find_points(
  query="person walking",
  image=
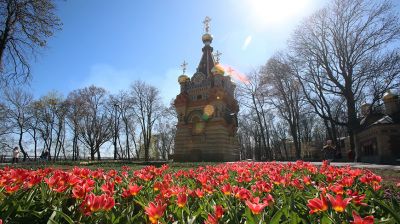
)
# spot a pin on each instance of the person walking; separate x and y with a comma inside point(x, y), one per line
point(15, 155)
point(45, 155)
point(329, 151)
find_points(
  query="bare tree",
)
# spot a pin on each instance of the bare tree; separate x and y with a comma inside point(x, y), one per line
point(50, 114)
point(25, 26)
point(327, 106)
point(285, 94)
point(352, 41)
point(115, 111)
point(249, 135)
point(147, 109)
point(252, 95)
point(33, 129)
point(17, 103)
point(125, 106)
point(95, 124)
point(165, 132)
point(279, 138)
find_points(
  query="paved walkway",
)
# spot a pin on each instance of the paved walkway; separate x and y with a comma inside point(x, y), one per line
point(362, 165)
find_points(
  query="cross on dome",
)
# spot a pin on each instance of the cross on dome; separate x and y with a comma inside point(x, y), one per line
point(206, 23)
point(217, 56)
point(183, 66)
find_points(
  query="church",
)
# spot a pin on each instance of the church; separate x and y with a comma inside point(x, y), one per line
point(207, 111)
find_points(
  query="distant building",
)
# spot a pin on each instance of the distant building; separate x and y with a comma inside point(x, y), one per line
point(207, 111)
point(378, 139)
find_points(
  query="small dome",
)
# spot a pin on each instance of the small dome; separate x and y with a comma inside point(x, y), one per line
point(389, 95)
point(218, 70)
point(183, 78)
point(207, 38)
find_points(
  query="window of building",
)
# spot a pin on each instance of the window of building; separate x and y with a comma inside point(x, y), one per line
point(199, 97)
point(369, 148)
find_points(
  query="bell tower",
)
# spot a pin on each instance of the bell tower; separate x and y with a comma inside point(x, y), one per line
point(207, 110)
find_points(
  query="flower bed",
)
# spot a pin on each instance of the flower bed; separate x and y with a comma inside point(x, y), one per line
point(226, 193)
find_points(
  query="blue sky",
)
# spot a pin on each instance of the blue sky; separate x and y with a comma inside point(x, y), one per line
point(113, 43)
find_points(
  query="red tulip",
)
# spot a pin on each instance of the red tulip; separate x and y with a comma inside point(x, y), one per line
point(94, 203)
point(359, 220)
point(199, 193)
point(131, 191)
point(337, 189)
point(181, 200)
point(108, 188)
point(255, 206)
point(155, 211)
point(157, 186)
point(242, 194)
point(80, 190)
point(317, 205)
point(226, 189)
point(211, 219)
point(307, 180)
point(11, 189)
point(219, 211)
point(338, 203)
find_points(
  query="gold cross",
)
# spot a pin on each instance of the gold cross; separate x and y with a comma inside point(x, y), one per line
point(183, 66)
point(206, 23)
point(217, 55)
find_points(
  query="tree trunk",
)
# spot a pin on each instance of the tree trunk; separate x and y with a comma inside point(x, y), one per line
point(127, 141)
point(260, 124)
point(35, 143)
point(21, 133)
point(4, 37)
point(92, 152)
point(353, 123)
point(98, 154)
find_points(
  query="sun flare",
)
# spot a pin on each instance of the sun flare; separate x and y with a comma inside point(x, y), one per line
point(265, 12)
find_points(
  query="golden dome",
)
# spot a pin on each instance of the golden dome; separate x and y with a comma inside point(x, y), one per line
point(389, 95)
point(218, 70)
point(183, 78)
point(207, 37)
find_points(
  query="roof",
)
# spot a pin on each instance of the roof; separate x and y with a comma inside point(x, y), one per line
point(207, 61)
point(384, 120)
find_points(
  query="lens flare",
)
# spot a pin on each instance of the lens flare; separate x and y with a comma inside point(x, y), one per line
point(209, 110)
point(235, 74)
point(199, 127)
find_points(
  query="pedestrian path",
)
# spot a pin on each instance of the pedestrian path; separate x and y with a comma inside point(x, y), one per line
point(362, 165)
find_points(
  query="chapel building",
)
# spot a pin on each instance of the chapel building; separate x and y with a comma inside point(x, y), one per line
point(207, 111)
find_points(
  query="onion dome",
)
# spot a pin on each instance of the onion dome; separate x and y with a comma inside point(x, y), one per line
point(389, 96)
point(207, 38)
point(218, 70)
point(183, 78)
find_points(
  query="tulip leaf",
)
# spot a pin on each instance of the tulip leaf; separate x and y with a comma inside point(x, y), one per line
point(249, 216)
point(277, 217)
point(325, 219)
point(389, 210)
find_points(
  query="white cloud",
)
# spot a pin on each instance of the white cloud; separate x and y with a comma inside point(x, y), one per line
point(247, 42)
